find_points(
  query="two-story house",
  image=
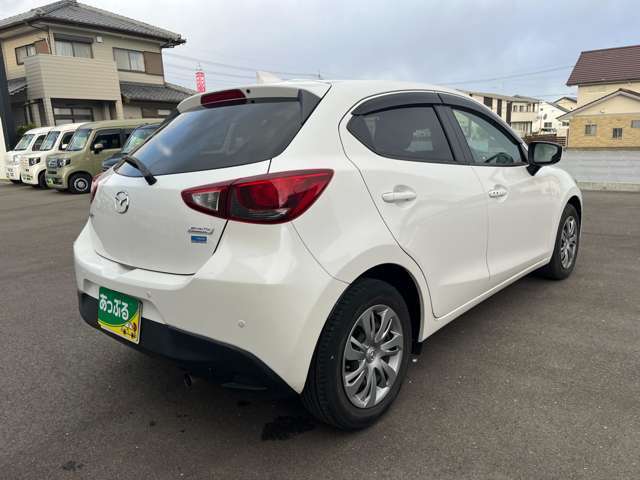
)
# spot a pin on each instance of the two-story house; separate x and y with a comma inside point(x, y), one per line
point(70, 62)
point(521, 113)
point(607, 113)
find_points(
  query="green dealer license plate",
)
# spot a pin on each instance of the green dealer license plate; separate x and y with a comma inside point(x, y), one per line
point(120, 314)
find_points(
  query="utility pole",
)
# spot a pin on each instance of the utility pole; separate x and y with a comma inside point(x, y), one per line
point(8, 126)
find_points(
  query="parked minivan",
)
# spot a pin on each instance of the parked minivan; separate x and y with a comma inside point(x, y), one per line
point(94, 142)
point(30, 142)
point(33, 167)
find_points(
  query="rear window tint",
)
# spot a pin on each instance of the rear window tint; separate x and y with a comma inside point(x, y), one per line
point(406, 133)
point(224, 136)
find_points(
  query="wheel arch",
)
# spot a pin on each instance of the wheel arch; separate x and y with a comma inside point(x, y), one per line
point(577, 204)
point(407, 285)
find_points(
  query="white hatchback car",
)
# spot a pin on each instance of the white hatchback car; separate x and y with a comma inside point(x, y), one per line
point(311, 234)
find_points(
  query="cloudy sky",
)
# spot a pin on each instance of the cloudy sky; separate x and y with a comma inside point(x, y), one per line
point(505, 46)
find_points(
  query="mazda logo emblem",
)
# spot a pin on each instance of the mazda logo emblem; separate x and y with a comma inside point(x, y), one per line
point(122, 202)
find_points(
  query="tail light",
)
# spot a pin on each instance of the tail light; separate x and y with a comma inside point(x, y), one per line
point(94, 186)
point(272, 198)
point(97, 180)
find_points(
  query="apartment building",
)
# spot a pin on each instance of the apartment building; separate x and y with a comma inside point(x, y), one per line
point(607, 111)
point(521, 113)
point(69, 62)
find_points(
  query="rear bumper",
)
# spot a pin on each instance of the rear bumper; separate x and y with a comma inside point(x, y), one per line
point(268, 299)
point(217, 361)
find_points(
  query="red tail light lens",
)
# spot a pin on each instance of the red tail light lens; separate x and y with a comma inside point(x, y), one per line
point(272, 198)
point(95, 181)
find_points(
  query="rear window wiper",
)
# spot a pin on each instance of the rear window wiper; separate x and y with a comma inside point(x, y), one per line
point(134, 162)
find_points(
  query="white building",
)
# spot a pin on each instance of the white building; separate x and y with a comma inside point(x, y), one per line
point(548, 122)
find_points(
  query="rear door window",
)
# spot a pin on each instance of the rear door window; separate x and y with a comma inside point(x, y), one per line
point(405, 133)
point(223, 136)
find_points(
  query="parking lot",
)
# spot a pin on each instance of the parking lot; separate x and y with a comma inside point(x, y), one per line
point(541, 381)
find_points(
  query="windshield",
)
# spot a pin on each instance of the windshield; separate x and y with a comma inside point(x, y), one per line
point(79, 139)
point(220, 137)
point(24, 142)
point(137, 138)
point(50, 140)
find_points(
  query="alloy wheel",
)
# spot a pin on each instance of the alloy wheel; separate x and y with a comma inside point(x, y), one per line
point(568, 242)
point(372, 356)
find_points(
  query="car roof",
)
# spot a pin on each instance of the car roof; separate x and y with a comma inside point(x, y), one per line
point(68, 127)
point(36, 131)
point(347, 91)
point(135, 122)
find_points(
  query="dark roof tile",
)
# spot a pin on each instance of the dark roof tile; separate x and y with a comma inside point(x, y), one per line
point(609, 65)
point(72, 12)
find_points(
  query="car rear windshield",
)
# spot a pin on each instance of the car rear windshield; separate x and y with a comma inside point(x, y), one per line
point(50, 140)
point(24, 142)
point(224, 136)
point(79, 139)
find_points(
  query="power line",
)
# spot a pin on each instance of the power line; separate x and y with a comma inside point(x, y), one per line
point(238, 67)
point(507, 77)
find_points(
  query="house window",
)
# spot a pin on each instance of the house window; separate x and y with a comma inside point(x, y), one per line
point(590, 129)
point(635, 123)
point(565, 124)
point(528, 107)
point(515, 108)
point(70, 48)
point(522, 108)
point(488, 101)
point(24, 52)
point(63, 115)
point(129, 60)
point(617, 133)
point(547, 124)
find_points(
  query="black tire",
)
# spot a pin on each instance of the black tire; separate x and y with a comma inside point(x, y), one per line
point(16, 182)
point(554, 269)
point(324, 394)
point(42, 181)
point(80, 183)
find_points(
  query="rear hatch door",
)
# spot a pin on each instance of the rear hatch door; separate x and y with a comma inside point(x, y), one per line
point(150, 226)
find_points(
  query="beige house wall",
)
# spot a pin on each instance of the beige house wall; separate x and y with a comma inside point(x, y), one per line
point(618, 104)
point(101, 50)
point(104, 50)
point(589, 93)
point(9, 52)
point(69, 77)
point(604, 135)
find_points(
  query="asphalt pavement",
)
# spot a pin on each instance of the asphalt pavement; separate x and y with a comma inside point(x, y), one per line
point(541, 381)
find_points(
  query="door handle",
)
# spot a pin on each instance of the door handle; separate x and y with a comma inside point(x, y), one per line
point(401, 196)
point(498, 192)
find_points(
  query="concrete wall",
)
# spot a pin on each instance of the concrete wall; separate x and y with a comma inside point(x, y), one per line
point(604, 169)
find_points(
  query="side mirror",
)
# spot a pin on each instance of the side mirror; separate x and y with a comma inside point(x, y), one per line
point(541, 154)
point(98, 147)
point(63, 146)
